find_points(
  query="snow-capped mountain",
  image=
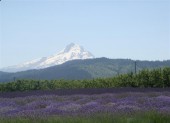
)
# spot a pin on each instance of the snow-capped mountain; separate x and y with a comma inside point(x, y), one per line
point(71, 52)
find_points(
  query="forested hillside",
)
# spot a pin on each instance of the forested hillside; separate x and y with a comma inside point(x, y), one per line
point(144, 78)
point(85, 69)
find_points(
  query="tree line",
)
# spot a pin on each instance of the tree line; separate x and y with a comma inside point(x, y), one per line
point(144, 78)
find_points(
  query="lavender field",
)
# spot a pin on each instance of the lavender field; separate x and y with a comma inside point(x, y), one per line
point(84, 105)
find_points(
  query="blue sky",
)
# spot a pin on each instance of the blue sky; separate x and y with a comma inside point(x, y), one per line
point(135, 29)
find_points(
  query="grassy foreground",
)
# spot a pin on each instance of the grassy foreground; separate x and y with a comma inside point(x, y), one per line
point(149, 117)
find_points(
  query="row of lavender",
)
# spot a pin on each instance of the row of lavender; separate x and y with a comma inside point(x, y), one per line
point(84, 91)
point(49, 105)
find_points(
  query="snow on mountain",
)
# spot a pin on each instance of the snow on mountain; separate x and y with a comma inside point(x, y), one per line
point(71, 52)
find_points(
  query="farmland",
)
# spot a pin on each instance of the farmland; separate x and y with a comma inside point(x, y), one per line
point(128, 98)
point(100, 105)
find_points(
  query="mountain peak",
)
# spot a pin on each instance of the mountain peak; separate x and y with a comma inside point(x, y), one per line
point(73, 46)
point(70, 52)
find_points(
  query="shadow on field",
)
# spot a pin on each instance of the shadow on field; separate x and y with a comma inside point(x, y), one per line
point(86, 91)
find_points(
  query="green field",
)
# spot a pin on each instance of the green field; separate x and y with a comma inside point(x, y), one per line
point(150, 117)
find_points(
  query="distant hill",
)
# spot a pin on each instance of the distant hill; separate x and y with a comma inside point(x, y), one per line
point(84, 69)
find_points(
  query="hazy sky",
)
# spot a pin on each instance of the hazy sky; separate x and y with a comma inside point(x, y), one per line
point(135, 29)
